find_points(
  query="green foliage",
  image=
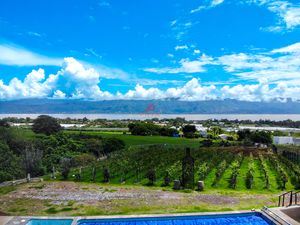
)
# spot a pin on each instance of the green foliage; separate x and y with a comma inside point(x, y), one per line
point(250, 137)
point(265, 171)
point(4, 123)
point(106, 175)
point(65, 167)
point(203, 171)
point(220, 170)
point(206, 143)
point(189, 131)
point(151, 176)
point(112, 144)
point(250, 176)
point(10, 166)
point(150, 129)
point(215, 131)
point(46, 125)
point(235, 166)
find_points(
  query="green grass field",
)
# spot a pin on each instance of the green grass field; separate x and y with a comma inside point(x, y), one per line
point(144, 140)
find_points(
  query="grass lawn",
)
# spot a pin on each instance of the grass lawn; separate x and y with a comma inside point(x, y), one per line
point(87, 199)
point(144, 140)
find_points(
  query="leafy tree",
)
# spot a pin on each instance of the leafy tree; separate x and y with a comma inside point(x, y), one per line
point(10, 166)
point(4, 123)
point(32, 159)
point(189, 131)
point(263, 137)
point(167, 179)
point(243, 134)
point(151, 175)
point(206, 143)
point(216, 131)
point(106, 175)
point(112, 144)
point(94, 146)
point(46, 125)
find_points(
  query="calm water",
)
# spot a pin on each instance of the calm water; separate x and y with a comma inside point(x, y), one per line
point(276, 117)
point(245, 219)
point(50, 222)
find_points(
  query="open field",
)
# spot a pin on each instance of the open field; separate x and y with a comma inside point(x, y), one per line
point(143, 140)
point(72, 198)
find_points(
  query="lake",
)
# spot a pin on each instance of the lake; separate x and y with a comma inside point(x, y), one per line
point(253, 117)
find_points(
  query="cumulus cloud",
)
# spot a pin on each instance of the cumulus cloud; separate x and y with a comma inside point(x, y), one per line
point(274, 74)
point(34, 86)
point(73, 78)
point(14, 55)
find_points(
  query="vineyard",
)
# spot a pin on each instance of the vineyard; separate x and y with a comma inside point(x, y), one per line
point(231, 168)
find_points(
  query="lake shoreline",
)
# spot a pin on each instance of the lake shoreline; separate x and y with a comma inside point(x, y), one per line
point(142, 116)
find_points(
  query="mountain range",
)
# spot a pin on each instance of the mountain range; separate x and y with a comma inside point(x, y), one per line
point(167, 106)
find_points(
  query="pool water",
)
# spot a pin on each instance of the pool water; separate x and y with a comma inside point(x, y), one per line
point(232, 219)
point(50, 222)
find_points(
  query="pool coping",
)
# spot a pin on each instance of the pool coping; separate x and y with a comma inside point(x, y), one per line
point(284, 216)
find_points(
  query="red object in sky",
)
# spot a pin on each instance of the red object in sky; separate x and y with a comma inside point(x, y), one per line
point(150, 108)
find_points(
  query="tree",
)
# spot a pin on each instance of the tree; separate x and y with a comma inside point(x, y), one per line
point(65, 167)
point(112, 144)
point(46, 125)
point(4, 123)
point(262, 137)
point(106, 175)
point(215, 131)
point(32, 160)
point(10, 166)
point(189, 131)
point(94, 146)
point(206, 143)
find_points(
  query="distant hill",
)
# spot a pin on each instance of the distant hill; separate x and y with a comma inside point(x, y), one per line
point(172, 106)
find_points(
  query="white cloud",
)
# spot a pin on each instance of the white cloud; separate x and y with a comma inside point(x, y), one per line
point(275, 75)
point(33, 86)
point(288, 14)
point(185, 66)
point(276, 65)
point(294, 48)
point(216, 2)
point(59, 95)
point(13, 55)
point(181, 47)
point(211, 4)
point(75, 81)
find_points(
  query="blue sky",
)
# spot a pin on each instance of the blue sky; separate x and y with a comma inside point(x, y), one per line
point(140, 49)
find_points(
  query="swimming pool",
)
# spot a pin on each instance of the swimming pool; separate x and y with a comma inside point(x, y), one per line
point(50, 222)
point(232, 219)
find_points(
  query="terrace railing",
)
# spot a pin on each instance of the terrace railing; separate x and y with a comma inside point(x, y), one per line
point(296, 197)
point(289, 198)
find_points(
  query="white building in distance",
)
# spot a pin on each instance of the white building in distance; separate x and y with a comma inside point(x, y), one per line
point(286, 140)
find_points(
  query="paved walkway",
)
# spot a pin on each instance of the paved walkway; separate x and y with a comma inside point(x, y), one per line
point(5, 219)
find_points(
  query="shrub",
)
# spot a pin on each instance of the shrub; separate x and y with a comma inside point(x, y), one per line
point(106, 175)
point(65, 166)
point(151, 175)
point(46, 125)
